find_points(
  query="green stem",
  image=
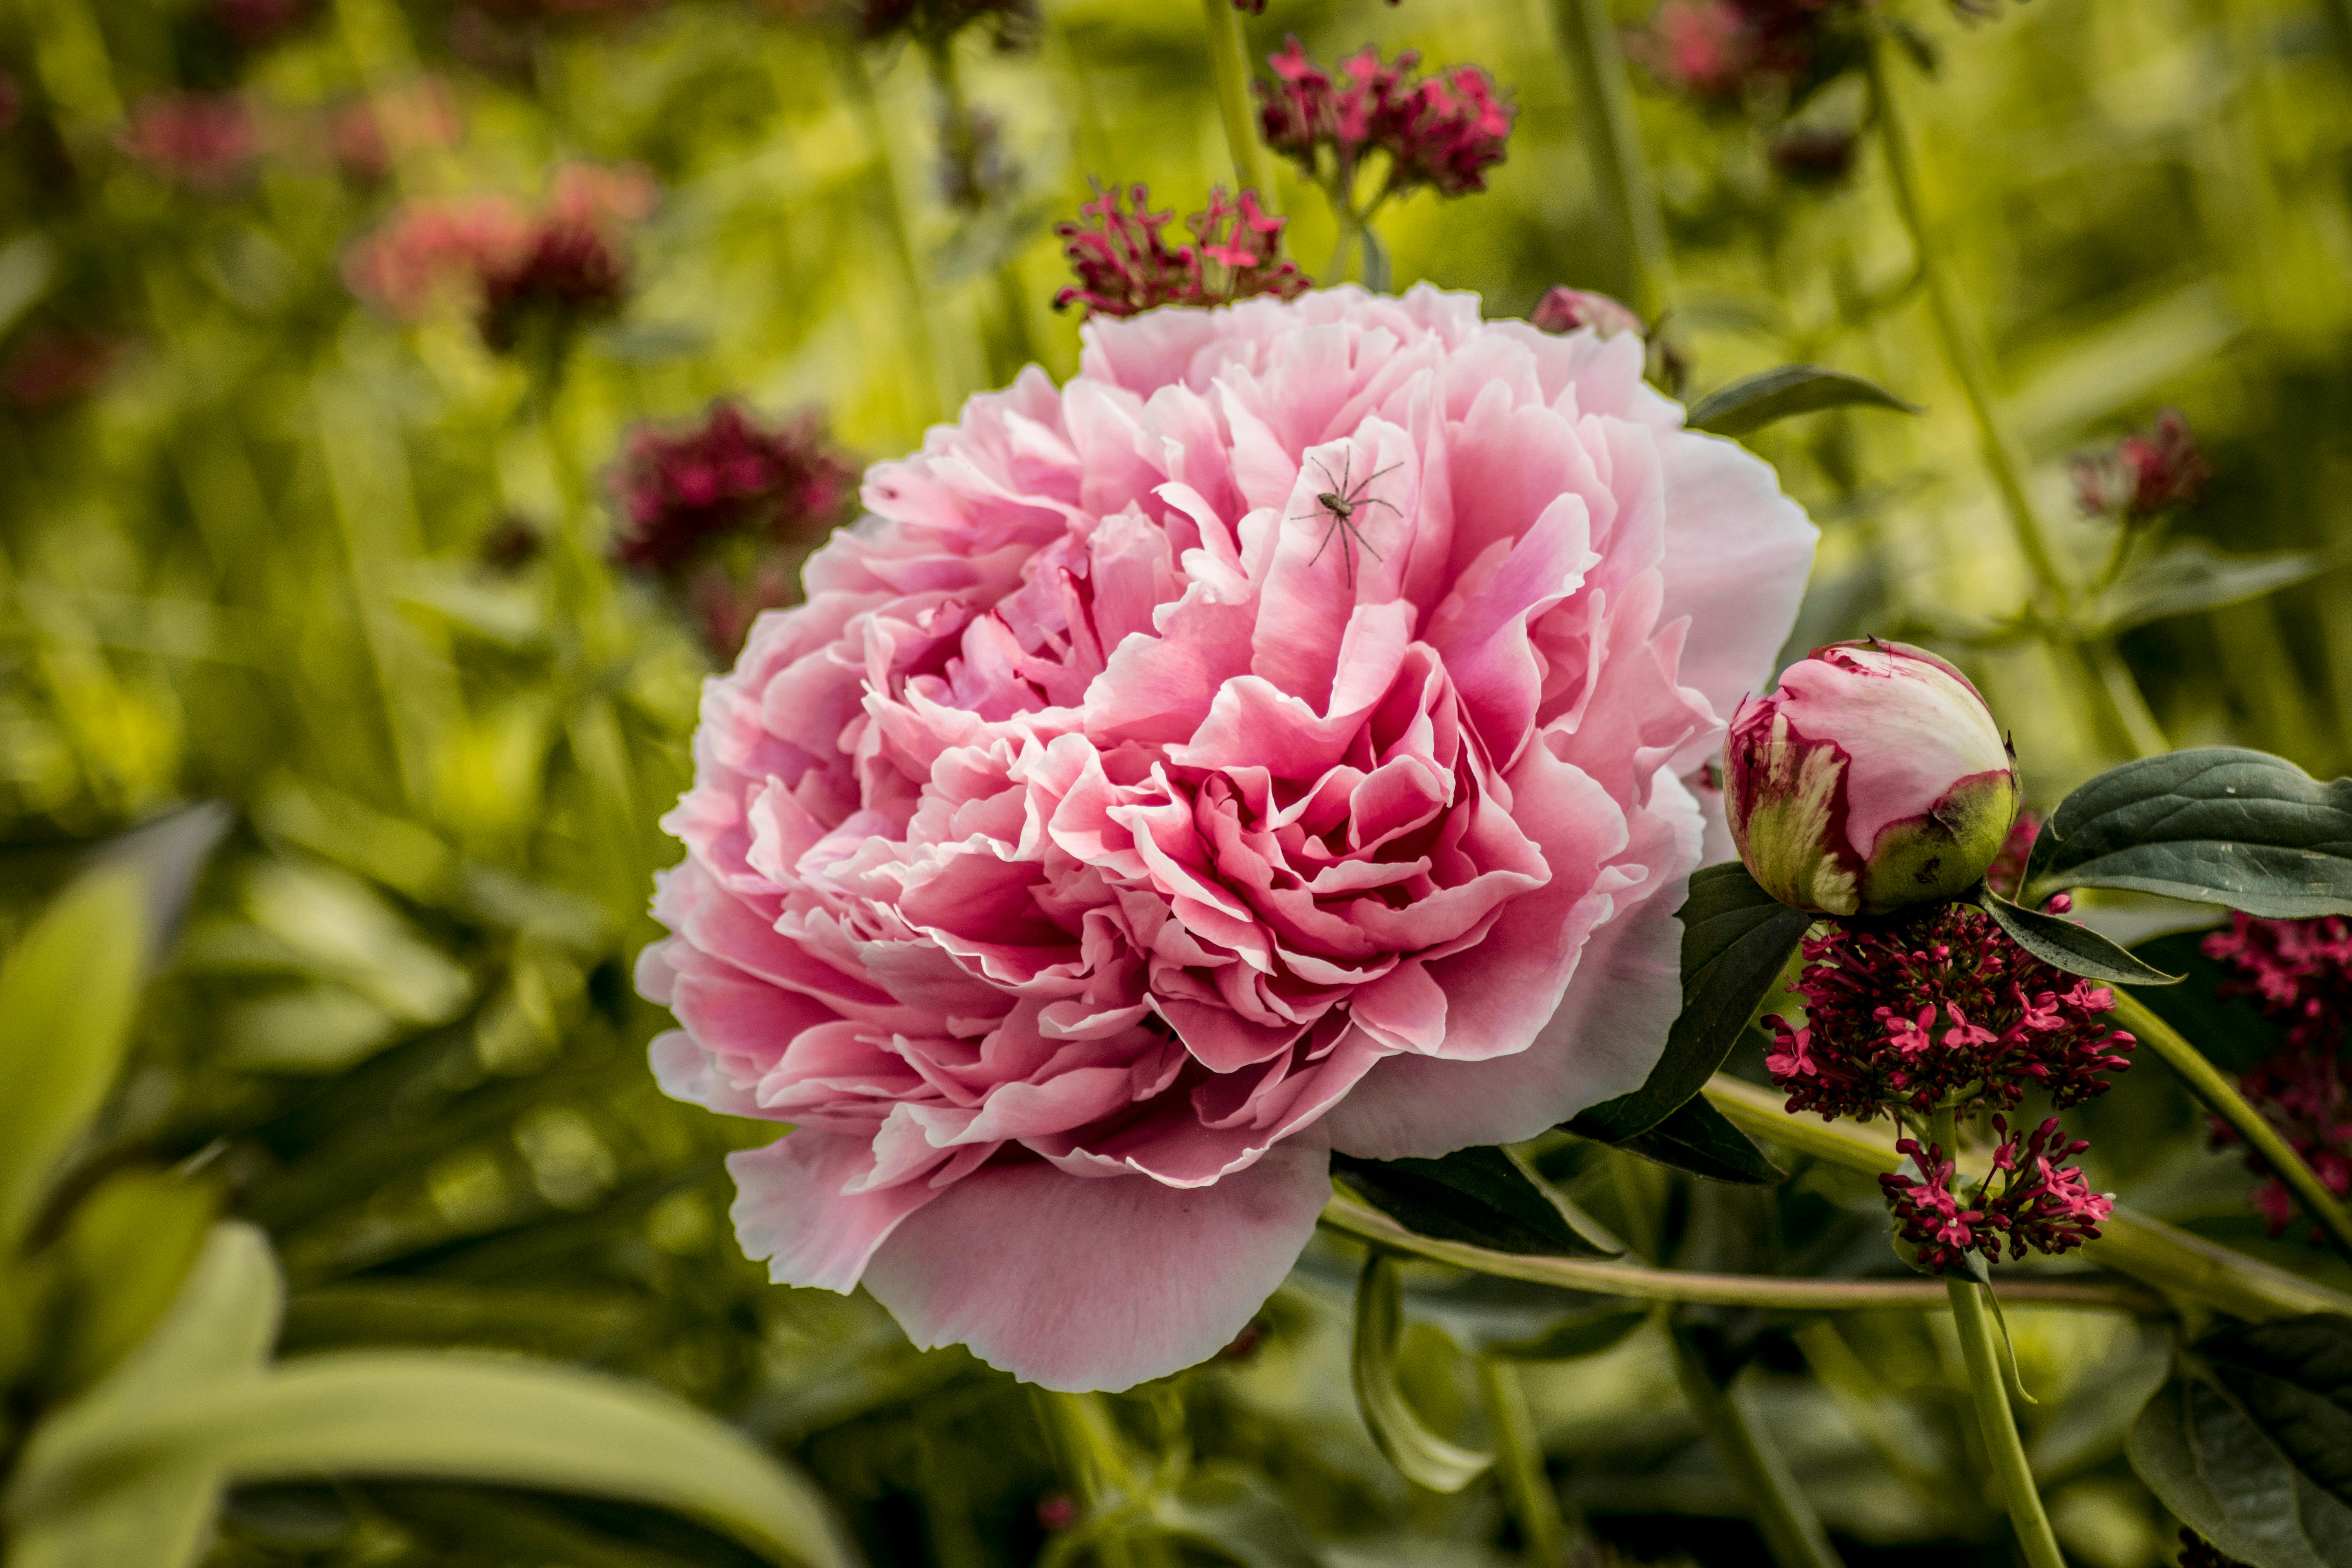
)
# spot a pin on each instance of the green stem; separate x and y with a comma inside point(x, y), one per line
point(1784, 1516)
point(2164, 1256)
point(2127, 710)
point(1229, 65)
point(1519, 1464)
point(1635, 1283)
point(2002, 1443)
point(2221, 1098)
point(1612, 144)
point(1094, 1461)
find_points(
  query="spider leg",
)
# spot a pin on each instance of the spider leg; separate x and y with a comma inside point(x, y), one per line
point(1336, 523)
point(1375, 501)
point(1365, 543)
point(1391, 469)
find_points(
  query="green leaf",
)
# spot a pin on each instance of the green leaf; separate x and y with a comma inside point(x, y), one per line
point(126, 1252)
point(1236, 1515)
point(1483, 1196)
point(67, 994)
point(2251, 1442)
point(1573, 1339)
point(1421, 1456)
point(2213, 825)
point(1735, 939)
point(1755, 401)
point(2192, 575)
point(1701, 1139)
point(2069, 944)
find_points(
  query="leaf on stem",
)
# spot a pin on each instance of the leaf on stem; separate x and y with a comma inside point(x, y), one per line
point(2068, 946)
point(1735, 939)
point(2213, 825)
point(1483, 1196)
point(1700, 1140)
point(1421, 1456)
point(1755, 401)
point(2249, 1443)
point(2192, 575)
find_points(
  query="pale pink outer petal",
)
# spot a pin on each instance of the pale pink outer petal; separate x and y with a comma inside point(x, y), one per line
point(1079, 1283)
point(793, 1209)
point(1602, 1040)
point(1911, 729)
point(1738, 554)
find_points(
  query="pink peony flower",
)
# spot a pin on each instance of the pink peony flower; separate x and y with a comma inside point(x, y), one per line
point(1112, 835)
point(1874, 779)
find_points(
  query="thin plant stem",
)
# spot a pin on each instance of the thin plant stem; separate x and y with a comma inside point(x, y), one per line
point(1612, 144)
point(1989, 1388)
point(2118, 696)
point(1519, 1463)
point(960, 141)
point(2171, 1260)
point(1634, 1282)
point(926, 334)
point(1784, 1516)
point(1229, 65)
point(1094, 1462)
point(2222, 1099)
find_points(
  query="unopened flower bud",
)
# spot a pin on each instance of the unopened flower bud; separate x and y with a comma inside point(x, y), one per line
point(1564, 310)
point(1872, 779)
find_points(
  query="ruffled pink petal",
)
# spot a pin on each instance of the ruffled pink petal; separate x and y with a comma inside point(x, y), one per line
point(1077, 1282)
point(799, 1204)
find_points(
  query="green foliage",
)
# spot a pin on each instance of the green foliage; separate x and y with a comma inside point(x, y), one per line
point(1484, 1196)
point(1752, 402)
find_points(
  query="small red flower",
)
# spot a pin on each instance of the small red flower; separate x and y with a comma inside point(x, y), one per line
point(1125, 264)
point(2144, 475)
point(2300, 973)
point(680, 491)
point(1442, 131)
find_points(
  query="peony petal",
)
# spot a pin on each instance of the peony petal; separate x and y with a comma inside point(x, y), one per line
point(1075, 1282)
point(794, 1207)
point(1738, 554)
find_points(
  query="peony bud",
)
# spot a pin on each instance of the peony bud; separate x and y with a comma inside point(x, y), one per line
point(1874, 779)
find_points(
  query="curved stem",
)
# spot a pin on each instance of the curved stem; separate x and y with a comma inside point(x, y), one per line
point(2002, 1443)
point(2221, 1098)
point(1229, 66)
point(1612, 144)
point(1784, 1516)
point(1094, 1461)
point(2164, 1256)
point(1642, 1284)
point(1519, 1464)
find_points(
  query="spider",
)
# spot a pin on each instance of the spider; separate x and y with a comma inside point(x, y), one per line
point(1341, 504)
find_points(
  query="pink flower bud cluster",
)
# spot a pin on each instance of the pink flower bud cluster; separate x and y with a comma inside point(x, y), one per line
point(561, 265)
point(204, 142)
point(2144, 475)
point(1443, 132)
point(2028, 1200)
point(1943, 1010)
point(680, 491)
point(2300, 972)
point(1125, 265)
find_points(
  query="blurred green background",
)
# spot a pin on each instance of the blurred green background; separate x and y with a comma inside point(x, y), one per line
point(262, 542)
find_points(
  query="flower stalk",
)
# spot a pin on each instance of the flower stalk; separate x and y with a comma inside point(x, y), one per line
point(1784, 1516)
point(2125, 709)
point(1989, 1388)
point(1229, 67)
point(1612, 144)
point(2221, 1098)
point(1519, 1463)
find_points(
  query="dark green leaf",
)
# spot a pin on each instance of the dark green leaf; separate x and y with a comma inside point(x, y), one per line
point(1483, 1196)
point(1755, 401)
point(2214, 825)
point(1701, 1139)
point(2069, 944)
point(1735, 938)
point(2192, 575)
point(1421, 1456)
point(2248, 1442)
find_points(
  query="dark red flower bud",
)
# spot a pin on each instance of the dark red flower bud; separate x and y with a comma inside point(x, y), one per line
point(1443, 132)
point(2144, 475)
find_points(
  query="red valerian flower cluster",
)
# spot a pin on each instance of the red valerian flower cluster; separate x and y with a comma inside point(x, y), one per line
point(680, 490)
point(2301, 973)
point(722, 512)
point(1125, 265)
point(1942, 1010)
point(1443, 132)
point(1722, 50)
point(1946, 1013)
point(2038, 1204)
point(204, 142)
point(553, 268)
point(2144, 475)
